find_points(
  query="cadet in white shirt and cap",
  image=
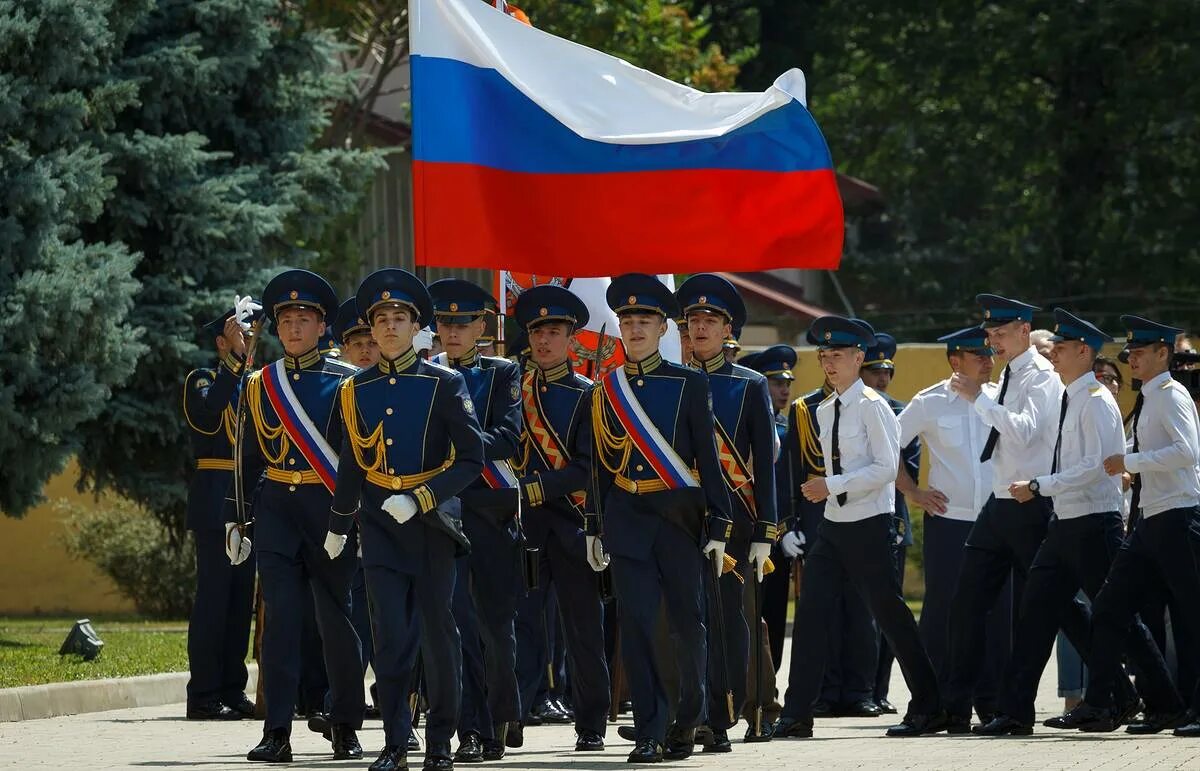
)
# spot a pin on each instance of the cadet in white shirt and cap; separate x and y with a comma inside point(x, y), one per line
point(1084, 533)
point(861, 438)
point(1163, 548)
point(954, 435)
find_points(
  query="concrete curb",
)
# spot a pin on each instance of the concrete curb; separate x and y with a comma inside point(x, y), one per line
point(35, 702)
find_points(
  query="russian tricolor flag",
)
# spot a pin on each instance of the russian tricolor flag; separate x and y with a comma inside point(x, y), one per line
point(537, 155)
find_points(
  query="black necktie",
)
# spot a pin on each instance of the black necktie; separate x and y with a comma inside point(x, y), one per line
point(993, 435)
point(836, 461)
point(1062, 415)
point(1136, 486)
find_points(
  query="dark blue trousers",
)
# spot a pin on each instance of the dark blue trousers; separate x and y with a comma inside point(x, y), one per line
point(573, 582)
point(671, 574)
point(219, 628)
point(775, 590)
point(728, 663)
point(474, 716)
point(852, 647)
point(945, 542)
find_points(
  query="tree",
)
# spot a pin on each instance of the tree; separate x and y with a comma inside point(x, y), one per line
point(216, 181)
point(65, 342)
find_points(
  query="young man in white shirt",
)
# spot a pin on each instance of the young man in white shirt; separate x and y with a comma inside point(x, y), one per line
point(861, 438)
point(1083, 535)
point(953, 435)
point(1163, 546)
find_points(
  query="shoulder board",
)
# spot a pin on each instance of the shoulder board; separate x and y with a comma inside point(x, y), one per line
point(584, 381)
point(1042, 363)
point(746, 372)
point(1167, 383)
point(929, 389)
point(871, 394)
point(439, 367)
point(338, 364)
point(1096, 390)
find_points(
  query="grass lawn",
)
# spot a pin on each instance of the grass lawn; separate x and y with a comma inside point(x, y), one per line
point(29, 649)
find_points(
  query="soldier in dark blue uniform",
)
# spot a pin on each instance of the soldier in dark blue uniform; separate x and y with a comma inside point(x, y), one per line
point(219, 628)
point(411, 443)
point(745, 436)
point(489, 511)
point(659, 492)
point(776, 364)
point(877, 372)
point(555, 466)
point(291, 433)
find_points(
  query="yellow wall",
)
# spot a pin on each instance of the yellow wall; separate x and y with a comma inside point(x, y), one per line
point(36, 574)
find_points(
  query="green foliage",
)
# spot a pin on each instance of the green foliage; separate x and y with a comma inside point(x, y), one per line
point(216, 179)
point(65, 342)
point(135, 550)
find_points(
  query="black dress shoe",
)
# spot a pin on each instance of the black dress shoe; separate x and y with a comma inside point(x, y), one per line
point(646, 751)
point(243, 707)
point(275, 747)
point(413, 744)
point(1190, 729)
point(822, 709)
point(392, 758)
point(318, 723)
point(516, 736)
point(549, 712)
point(564, 708)
point(1091, 719)
point(764, 735)
point(787, 728)
point(718, 741)
point(918, 725)
point(1058, 721)
point(680, 743)
point(470, 749)
point(345, 742)
point(212, 710)
point(1154, 722)
point(532, 720)
point(493, 749)
point(589, 741)
point(1003, 725)
point(437, 758)
point(1128, 712)
point(958, 724)
point(862, 708)
point(886, 707)
point(627, 732)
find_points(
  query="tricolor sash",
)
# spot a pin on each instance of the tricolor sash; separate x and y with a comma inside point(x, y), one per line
point(734, 469)
point(544, 439)
point(661, 456)
point(498, 475)
point(298, 425)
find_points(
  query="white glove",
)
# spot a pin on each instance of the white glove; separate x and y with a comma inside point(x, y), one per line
point(715, 551)
point(244, 308)
point(793, 544)
point(596, 556)
point(423, 340)
point(402, 507)
point(334, 544)
point(759, 552)
point(237, 548)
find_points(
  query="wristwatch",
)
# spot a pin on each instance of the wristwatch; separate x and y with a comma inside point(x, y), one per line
point(1034, 487)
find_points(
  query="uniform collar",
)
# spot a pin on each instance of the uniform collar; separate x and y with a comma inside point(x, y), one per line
point(951, 394)
point(556, 373)
point(852, 393)
point(1156, 382)
point(303, 361)
point(645, 366)
point(1023, 360)
point(715, 363)
point(469, 359)
point(402, 363)
point(1087, 381)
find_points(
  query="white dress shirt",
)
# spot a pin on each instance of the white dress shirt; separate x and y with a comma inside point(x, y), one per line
point(869, 444)
point(954, 435)
point(1092, 430)
point(1027, 421)
point(1168, 447)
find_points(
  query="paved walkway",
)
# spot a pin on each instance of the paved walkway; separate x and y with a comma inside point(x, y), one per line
point(158, 737)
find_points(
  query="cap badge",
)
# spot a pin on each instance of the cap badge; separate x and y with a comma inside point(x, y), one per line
point(987, 314)
point(828, 335)
point(453, 307)
point(294, 294)
point(632, 299)
point(703, 299)
point(543, 311)
point(386, 295)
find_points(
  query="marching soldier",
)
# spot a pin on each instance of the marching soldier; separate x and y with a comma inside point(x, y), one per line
point(860, 438)
point(877, 373)
point(555, 466)
point(656, 475)
point(489, 513)
point(410, 443)
point(959, 484)
point(1084, 532)
point(219, 627)
point(1163, 546)
point(745, 437)
point(293, 430)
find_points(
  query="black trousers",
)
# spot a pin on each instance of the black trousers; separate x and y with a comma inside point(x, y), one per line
point(944, 550)
point(1076, 555)
point(775, 590)
point(852, 650)
point(219, 628)
point(862, 552)
point(728, 663)
point(883, 672)
point(1159, 557)
point(1004, 540)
